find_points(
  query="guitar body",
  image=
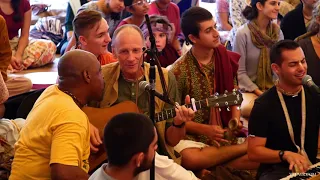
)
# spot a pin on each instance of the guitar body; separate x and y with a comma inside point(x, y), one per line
point(99, 117)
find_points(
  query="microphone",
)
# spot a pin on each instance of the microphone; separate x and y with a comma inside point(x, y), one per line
point(307, 80)
point(145, 86)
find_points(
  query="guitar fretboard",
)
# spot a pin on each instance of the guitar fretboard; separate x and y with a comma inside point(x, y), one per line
point(170, 113)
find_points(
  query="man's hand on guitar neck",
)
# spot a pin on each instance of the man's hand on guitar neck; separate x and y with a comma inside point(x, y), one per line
point(95, 139)
point(183, 114)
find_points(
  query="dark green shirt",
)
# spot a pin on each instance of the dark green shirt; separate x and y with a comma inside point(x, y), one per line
point(128, 91)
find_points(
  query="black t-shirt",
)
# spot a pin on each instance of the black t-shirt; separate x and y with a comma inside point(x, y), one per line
point(267, 120)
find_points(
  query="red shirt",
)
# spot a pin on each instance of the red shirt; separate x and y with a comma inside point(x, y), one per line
point(172, 13)
point(12, 26)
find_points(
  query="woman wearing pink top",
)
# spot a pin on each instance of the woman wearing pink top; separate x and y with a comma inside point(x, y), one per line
point(17, 14)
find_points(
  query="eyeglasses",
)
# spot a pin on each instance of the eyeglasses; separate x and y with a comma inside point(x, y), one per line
point(141, 2)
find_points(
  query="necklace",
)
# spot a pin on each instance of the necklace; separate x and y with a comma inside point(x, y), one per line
point(300, 149)
point(306, 18)
point(285, 92)
point(75, 99)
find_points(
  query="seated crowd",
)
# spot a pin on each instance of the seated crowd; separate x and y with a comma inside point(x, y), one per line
point(93, 123)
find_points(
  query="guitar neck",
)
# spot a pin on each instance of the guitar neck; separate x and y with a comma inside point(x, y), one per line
point(170, 113)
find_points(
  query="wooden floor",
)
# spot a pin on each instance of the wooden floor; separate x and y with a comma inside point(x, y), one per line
point(43, 76)
point(52, 67)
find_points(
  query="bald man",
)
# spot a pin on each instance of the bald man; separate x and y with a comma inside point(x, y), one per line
point(122, 79)
point(54, 143)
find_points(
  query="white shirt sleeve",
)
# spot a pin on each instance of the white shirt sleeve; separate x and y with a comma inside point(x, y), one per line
point(167, 169)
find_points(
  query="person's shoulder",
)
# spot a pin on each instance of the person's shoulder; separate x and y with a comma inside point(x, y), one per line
point(244, 29)
point(175, 6)
point(152, 7)
point(25, 2)
point(59, 102)
point(304, 43)
point(98, 174)
point(294, 13)
point(179, 62)
point(2, 21)
point(108, 66)
point(267, 96)
point(25, 5)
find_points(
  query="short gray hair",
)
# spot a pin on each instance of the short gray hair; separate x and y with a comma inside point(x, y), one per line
point(126, 27)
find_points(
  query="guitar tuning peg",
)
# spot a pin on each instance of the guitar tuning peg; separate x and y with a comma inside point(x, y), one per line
point(216, 94)
point(234, 90)
point(226, 91)
point(235, 102)
point(228, 108)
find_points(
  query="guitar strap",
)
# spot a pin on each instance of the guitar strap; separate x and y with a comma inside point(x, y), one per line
point(303, 122)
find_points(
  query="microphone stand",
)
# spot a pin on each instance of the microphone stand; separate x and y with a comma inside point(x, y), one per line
point(152, 52)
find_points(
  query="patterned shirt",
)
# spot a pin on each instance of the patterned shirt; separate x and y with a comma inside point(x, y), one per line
point(196, 80)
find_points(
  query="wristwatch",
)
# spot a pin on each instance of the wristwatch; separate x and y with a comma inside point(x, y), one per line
point(180, 125)
point(281, 153)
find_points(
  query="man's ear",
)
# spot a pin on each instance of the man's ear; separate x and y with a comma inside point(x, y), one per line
point(192, 38)
point(138, 159)
point(275, 68)
point(86, 76)
point(83, 40)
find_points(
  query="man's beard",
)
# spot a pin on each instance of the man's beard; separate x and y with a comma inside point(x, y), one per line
point(146, 165)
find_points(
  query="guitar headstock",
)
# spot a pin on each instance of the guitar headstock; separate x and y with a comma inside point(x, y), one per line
point(226, 99)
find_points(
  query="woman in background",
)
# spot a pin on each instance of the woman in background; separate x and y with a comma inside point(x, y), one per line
point(223, 15)
point(138, 10)
point(253, 41)
point(25, 53)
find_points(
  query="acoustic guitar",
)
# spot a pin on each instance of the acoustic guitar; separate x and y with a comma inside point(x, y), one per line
point(99, 117)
